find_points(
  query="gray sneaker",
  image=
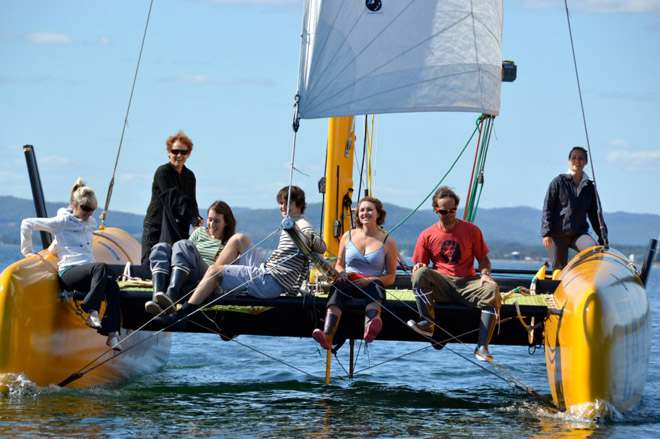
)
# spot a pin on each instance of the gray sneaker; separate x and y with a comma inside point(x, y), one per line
point(152, 308)
point(93, 320)
point(481, 353)
point(113, 341)
point(164, 302)
point(423, 328)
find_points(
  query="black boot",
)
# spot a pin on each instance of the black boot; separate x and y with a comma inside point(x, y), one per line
point(159, 281)
point(178, 320)
point(486, 329)
point(324, 338)
point(426, 309)
point(168, 299)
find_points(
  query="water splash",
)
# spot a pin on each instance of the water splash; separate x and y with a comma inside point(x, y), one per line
point(17, 384)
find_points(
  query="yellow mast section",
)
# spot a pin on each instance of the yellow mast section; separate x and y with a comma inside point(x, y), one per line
point(339, 181)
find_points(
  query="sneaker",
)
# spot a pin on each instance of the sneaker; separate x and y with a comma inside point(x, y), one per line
point(164, 302)
point(93, 320)
point(423, 328)
point(322, 340)
point(152, 308)
point(373, 329)
point(113, 341)
point(481, 353)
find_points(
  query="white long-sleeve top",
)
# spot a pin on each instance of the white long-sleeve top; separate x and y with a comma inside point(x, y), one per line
point(74, 237)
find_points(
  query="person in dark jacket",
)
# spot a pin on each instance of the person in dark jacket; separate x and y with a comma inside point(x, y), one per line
point(571, 197)
point(173, 174)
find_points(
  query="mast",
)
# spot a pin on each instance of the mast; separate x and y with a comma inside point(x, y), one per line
point(339, 181)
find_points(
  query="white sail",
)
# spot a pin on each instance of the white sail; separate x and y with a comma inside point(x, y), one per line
point(402, 56)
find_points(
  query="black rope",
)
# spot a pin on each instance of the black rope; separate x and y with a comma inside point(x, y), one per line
point(364, 153)
point(128, 109)
point(601, 221)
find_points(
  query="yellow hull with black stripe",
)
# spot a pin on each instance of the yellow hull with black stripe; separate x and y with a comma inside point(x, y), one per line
point(598, 344)
point(44, 338)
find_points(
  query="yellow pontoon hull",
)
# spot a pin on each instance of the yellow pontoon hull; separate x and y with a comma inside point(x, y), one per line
point(597, 350)
point(45, 339)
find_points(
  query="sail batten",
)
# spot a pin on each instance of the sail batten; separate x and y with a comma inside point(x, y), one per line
point(424, 55)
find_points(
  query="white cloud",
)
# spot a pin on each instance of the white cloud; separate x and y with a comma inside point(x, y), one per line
point(48, 38)
point(619, 143)
point(204, 79)
point(646, 96)
point(55, 160)
point(134, 178)
point(105, 41)
point(648, 161)
point(597, 6)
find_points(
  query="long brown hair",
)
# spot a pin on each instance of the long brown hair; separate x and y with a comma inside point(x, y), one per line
point(222, 208)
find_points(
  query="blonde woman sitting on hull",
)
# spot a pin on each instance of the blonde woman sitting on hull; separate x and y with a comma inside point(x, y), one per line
point(73, 230)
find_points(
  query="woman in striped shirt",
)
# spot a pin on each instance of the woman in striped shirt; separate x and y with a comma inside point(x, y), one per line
point(181, 266)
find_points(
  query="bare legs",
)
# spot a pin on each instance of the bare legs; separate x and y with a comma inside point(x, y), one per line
point(235, 247)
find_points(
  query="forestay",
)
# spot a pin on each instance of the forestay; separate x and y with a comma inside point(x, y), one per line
point(391, 56)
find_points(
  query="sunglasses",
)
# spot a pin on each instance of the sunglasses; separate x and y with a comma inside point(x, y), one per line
point(86, 208)
point(446, 211)
point(179, 151)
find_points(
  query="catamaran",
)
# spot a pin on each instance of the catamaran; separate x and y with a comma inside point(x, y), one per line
point(362, 58)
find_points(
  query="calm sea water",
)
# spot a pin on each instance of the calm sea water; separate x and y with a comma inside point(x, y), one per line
point(213, 388)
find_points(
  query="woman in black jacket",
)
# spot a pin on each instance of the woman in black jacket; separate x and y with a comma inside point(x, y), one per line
point(173, 174)
point(571, 197)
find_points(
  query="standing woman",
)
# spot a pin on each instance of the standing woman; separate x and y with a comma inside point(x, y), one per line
point(77, 269)
point(368, 258)
point(571, 197)
point(173, 174)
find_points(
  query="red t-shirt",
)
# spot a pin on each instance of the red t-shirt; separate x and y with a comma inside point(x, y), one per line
point(452, 252)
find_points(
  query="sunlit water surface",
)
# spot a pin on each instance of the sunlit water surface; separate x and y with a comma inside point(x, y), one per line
point(214, 388)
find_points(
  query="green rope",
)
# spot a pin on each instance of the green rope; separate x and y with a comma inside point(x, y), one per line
point(478, 122)
point(476, 188)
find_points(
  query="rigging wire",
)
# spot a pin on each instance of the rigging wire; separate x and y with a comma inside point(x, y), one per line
point(370, 144)
point(123, 131)
point(400, 223)
point(601, 221)
point(517, 382)
point(477, 177)
point(218, 331)
point(86, 369)
point(364, 155)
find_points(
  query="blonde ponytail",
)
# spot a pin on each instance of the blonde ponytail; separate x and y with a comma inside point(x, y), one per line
point(82, 194)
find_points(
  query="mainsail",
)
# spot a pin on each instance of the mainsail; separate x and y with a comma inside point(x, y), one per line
point(393, 56)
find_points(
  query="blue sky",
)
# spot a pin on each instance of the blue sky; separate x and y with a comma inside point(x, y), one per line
point(225, 72)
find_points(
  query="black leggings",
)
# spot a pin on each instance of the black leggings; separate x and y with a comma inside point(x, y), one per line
point(343, 291)
point(97, 279)
point(150, 237)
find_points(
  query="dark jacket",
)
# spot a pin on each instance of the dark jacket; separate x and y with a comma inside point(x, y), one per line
point(166, 178)
point(565, 213)
point(179, 213)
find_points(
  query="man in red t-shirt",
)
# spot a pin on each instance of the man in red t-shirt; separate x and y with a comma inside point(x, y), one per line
point(452, 245)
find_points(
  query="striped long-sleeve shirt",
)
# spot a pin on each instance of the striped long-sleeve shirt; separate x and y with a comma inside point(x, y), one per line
point(288, 266)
